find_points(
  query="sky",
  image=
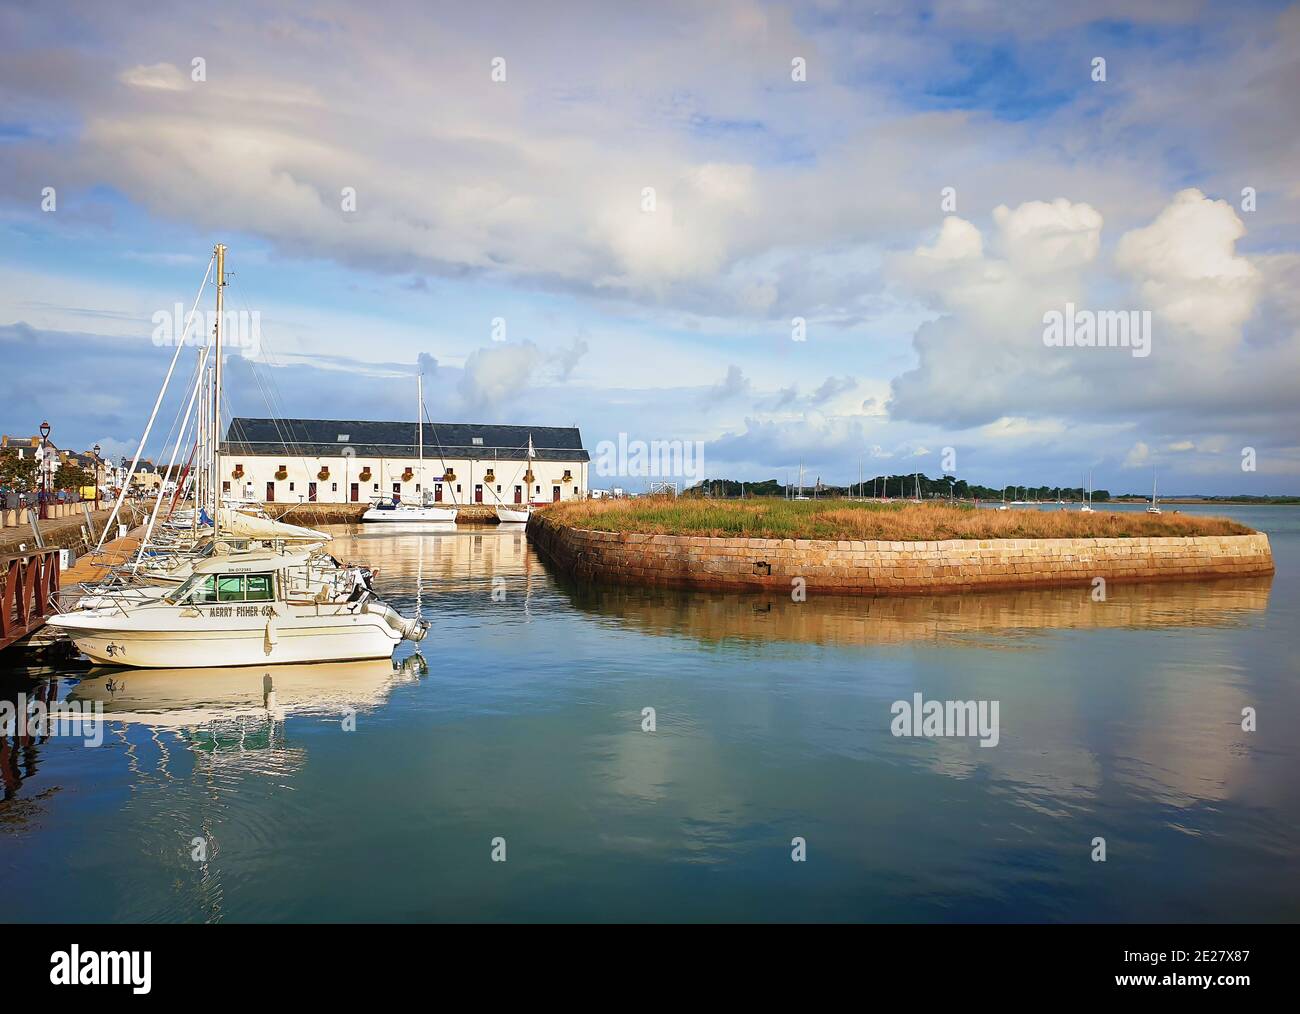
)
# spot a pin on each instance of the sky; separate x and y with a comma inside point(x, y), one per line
point(823, 234)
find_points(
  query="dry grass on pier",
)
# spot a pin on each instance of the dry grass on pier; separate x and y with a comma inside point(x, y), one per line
point(895, 522)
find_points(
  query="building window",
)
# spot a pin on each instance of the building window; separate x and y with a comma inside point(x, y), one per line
point(290, 487)
point(376, 487)
point(458, 487)
point(575, 490)
point(334, 487)
point(417, 487)
point(225, 487)
point(478, 441)
point(498, 487)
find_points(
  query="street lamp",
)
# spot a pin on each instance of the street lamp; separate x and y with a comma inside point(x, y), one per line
point(43, 496)
point(95, 450)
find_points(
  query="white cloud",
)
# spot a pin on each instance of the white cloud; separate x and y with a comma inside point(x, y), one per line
point(1188, 267)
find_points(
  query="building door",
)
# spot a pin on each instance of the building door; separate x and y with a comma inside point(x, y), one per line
point(555, 492)
point(437, 492)
point(355, 492)
point(311, 492)
point(478, 492)
point(519, 494)
point(270, 492)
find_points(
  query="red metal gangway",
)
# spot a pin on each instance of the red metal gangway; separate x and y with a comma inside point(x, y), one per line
point(28, 582)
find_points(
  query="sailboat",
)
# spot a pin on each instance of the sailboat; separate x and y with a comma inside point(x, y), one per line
point(1155, 503)
point(1087, 507)
point(395, 510)
point(520, 513)
point(1004, 506)
point(235, 608)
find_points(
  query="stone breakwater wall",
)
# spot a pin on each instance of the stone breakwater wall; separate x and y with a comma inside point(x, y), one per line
point(891, 568)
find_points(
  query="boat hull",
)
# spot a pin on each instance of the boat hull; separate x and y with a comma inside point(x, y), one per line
point(397, 515)
point(296, 639)
point(511, 515)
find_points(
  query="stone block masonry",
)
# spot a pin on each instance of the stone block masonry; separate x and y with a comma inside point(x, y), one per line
point(891, 568)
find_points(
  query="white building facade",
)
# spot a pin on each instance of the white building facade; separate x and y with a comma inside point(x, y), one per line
point(331, 461)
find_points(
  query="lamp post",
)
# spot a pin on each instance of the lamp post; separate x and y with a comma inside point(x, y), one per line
point(95, 451)
point(43, 495)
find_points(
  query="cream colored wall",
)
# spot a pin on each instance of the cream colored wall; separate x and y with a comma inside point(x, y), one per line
point(260, 469)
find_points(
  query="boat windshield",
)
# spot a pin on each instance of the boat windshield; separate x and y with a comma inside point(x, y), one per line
point(205, 588)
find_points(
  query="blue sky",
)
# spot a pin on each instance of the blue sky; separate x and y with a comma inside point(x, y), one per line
point(523, 200)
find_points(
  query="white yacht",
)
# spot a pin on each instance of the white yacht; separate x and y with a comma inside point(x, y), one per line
point(398, 510)
point(1087, 507)
point(1155, 502)
point(245, 609)
point(519, 513)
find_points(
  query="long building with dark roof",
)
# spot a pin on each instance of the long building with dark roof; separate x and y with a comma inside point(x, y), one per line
point(338, 461)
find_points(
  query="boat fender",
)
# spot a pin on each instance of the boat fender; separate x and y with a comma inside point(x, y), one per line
point(272, 632)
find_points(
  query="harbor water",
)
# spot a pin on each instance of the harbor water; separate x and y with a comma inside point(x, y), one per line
point(572, 753)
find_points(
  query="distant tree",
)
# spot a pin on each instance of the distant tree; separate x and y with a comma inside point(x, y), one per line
point(70, 475)
point(16, 473)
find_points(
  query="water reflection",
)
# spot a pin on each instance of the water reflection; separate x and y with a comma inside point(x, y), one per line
point(1119, 718)
point(983, 617)
point(222, 717)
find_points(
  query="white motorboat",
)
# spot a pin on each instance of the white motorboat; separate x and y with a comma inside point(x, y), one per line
point(245, 609)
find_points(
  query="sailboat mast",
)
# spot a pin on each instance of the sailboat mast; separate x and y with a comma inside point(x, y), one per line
point(419, 427)
point(216, 395)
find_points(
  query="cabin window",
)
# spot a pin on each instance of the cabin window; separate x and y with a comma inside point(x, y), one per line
point(258, 588)
point(230, 588)
point(205, 590)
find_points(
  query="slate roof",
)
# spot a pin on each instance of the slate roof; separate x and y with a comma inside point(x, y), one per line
point(293, 438)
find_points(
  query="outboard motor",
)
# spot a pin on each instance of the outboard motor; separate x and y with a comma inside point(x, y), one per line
point(412, 630)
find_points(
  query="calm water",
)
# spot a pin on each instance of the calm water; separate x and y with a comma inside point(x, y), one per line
point(1119, 720)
